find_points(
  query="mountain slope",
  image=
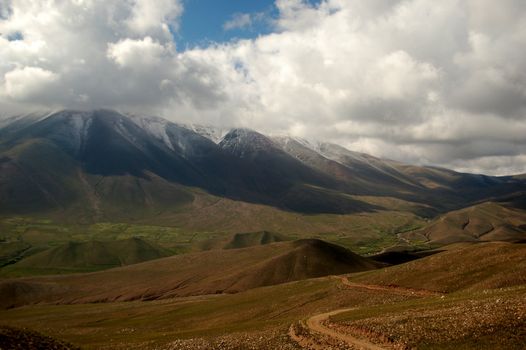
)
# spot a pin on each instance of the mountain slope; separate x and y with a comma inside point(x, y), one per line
point(97, 157)
point(363, 174)
point(359, 169)
point(474, 267)
point(104, 165)
point(249, 239)
point(269, 170)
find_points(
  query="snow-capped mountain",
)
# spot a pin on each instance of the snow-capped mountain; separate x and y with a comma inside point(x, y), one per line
point(212, 133)
point(245, 143)
point(105, 161)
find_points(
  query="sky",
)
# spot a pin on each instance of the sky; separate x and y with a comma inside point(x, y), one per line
point(420, 81)
point(207, 21)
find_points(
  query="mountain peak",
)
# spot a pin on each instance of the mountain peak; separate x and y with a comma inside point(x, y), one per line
point(243, 142)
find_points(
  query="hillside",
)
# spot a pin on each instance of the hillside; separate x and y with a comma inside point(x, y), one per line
point(474, 267)
point(210, 272)
point(88, 256)
point(243, 240)
point(482, 222)
point(262, 317)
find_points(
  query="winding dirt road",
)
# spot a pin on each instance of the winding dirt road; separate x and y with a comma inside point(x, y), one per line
point(317, 324)
point(390, 289)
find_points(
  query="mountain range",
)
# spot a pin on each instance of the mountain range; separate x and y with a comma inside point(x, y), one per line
point(100, 164)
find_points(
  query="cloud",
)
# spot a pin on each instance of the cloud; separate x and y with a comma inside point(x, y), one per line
point(25, 84)
point(150, 16)
point(247, 21)
point(439, 83)
point(136, 54)
point(238, 21)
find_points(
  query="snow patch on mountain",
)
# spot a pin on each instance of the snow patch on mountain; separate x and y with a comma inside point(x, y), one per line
point(210, 132)
point(155, 127)
point(79, 123)
point(24, 119)
point(244, 142)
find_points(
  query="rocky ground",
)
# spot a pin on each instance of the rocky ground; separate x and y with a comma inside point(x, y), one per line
point(23, 339)
point(492, 322)
point(267, 340)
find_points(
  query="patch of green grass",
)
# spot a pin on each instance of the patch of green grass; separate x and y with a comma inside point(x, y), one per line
point(374, 230)
point(35, 232)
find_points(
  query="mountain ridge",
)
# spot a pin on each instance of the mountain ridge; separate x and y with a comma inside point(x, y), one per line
point(51, 161)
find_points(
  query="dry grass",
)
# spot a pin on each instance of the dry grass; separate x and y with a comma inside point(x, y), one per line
point(211, 272)
point(474, 267)
point(481, 320)
point(473, 317)
point(482, 222)
point(262, 312)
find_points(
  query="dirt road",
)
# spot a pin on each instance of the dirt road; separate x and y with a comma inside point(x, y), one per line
point(319, 336)
point(390, 289)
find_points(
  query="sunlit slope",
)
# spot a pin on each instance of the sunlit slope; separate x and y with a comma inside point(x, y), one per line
point(473, 267)
point(211, 272)
point(483, 222)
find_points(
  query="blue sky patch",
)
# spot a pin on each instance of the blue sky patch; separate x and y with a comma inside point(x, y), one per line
point(203, 21)
point(14, 36)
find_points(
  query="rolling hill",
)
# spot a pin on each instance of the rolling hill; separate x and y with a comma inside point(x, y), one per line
point(88, 256)
point(487, 221)
point(210, 272)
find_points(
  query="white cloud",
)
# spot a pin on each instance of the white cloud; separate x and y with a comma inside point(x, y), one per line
point(434, 82)
point(238, 21)
point(137, 54)
point(154, 16)
point(23, 84)
point(498, 165)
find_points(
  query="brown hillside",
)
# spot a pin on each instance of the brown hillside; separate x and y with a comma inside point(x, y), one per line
point(479, 223)
point(210, 272)
point(249, 239)
point(475, 267)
